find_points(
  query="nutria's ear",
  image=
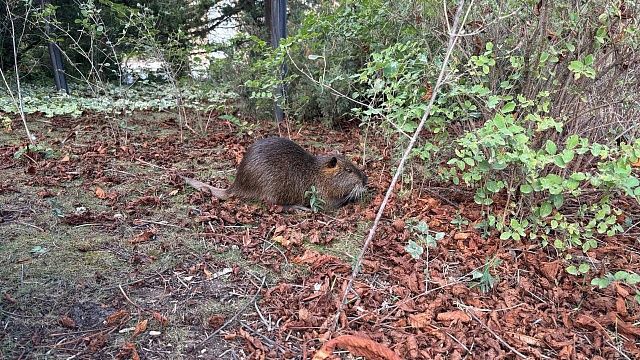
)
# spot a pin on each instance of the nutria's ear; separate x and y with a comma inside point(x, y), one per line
point(332, 162)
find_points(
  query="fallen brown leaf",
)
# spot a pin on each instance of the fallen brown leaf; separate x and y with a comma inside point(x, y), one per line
point(412, 347)
point(398, 225)
point(462, 235)
point(45, 194)
point(529, 340)
point(144, 236)
point(550, 270)
point(9, 298)
point(420, 321)
point(358, 346)
point(140, 328)
point(116, 317)
point(161, 319)
point(215, 321)
point(457, 315)
point(129, 351)
point(621, 290)
point(257, 344)
point(100, 194)
point(67, 322)
point(96, 342)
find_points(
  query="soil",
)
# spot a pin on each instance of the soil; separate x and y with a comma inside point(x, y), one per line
point(105, 253)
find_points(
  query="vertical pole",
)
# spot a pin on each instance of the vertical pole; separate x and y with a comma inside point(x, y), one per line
point(278, 30)
point(56, 59)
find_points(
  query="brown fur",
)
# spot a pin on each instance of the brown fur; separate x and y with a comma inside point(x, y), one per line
point(279, 171)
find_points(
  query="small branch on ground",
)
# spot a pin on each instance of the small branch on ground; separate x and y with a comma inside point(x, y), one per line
point(470, 312)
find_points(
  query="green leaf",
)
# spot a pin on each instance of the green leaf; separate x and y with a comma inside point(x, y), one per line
point(414, 249)
point(631, 181)
point(508, 107)
point(567, 156)
point(621, 275)
point(390, 69)
point(494, 186)
point(578, 176)
point(559, 161)
point(526, 189)
point(572, 270)
point(576, 66)
point(492, 101)
point(584, 268)
point(544, 57)
point(506, 235)
point(499, 165)
point(600, 282)
point(588, 60)
point(572, 141)
point(38, 250)
point(558, 244)
point(545, 209)
point(633, 279)
point(550, 147)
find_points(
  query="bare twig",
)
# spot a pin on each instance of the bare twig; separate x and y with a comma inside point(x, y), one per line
point(469, 311)
point(19, 102)
point(453, 36)
point(127, 298)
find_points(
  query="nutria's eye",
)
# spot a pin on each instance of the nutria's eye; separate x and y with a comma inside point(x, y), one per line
point(349, 170)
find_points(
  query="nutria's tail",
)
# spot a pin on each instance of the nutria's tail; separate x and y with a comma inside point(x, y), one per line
point(221, 194)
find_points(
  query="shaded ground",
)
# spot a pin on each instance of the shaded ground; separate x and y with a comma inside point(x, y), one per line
point(104, 253)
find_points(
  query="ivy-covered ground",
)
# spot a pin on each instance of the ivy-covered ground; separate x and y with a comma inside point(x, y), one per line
point(105, 253)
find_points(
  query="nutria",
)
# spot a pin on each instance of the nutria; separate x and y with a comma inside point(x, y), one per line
point(279, 171)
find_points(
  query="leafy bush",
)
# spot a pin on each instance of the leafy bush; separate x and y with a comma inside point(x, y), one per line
point(328, 49)
point(501, 125)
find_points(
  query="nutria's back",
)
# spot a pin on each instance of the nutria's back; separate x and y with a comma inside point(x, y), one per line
point(279, 171)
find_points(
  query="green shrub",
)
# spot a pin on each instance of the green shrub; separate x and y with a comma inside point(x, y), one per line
point(500, 123)
point(330, 46)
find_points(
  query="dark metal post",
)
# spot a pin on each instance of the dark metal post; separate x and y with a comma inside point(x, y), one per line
point(278, 30)
point(56, 59)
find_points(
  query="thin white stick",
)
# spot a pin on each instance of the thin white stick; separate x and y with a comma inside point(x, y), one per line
point(19, 103)
point(453, 36)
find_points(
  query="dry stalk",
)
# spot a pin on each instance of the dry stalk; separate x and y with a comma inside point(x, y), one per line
point(18, 102)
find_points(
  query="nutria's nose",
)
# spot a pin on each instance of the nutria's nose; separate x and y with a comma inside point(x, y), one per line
point(365, 180)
